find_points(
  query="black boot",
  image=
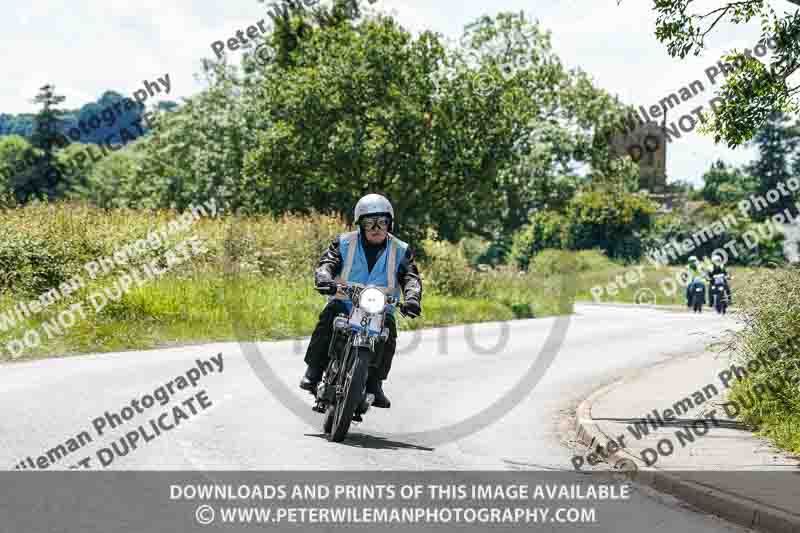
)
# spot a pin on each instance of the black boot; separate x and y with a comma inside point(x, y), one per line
point(375, 387)
point(310, 379)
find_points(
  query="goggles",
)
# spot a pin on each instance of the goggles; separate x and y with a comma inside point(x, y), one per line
point(369, 223)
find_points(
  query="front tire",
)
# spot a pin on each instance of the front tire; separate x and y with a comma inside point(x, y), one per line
point(354, 385)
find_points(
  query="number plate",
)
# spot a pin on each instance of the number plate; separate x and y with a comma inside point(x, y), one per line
point(360, 319)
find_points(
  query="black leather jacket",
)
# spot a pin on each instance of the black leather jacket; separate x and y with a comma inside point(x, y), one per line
point(408, 278)
point(717, 269)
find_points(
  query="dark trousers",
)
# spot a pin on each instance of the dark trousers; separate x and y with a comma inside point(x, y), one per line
point(726, 288)
point(317, 352)
point(690, 290)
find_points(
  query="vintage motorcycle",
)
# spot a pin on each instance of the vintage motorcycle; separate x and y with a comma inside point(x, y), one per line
point(353, 350)
point(719, 293)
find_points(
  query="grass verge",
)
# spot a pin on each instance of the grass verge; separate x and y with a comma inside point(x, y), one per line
point(768, 347)
point(205, 306)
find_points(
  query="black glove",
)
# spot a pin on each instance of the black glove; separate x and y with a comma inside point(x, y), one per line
point(326, 287)
point(411, 308)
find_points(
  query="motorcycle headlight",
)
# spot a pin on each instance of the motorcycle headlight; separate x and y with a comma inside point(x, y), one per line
point(372, 301)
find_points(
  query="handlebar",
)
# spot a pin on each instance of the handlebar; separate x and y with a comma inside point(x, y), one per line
point(351, 290)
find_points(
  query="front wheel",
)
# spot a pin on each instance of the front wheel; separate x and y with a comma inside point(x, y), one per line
point(328, 423)
point(355, 381)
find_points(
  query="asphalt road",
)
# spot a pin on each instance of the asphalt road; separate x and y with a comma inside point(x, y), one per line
point(437, 379)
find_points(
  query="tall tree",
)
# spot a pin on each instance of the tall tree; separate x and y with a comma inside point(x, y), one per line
point(293, 22)
point(367, 106)
point(42, 179)
point(777, 144)
point(724, 184)
point(197, 151)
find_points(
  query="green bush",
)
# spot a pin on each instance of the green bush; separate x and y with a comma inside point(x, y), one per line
point(480, 251)
point(545, 230)
point(76, 165)
point(42, 245)
point(726, 185)
point(446, 271)
point(25, 171)
point(556, 262)
point(16, 158)
point(705, 228)
point(117, 181)
point(553, 262)
point(31, 266)
point(474, 248)
point(278, 246)
point(592, 261)
point(526, 294)
point(770, 312)
point(614, 222)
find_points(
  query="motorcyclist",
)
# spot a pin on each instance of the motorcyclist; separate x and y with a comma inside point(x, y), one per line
point(370, 255)
point(693, 267)
point(694, 271)
point(718, 267)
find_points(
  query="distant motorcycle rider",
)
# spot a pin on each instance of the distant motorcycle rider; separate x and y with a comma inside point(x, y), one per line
point(694, 271)
point(369, 256)
point(693, 267)
point(719, 268)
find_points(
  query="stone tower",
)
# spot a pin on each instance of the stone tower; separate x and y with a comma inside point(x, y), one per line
point(647, 145)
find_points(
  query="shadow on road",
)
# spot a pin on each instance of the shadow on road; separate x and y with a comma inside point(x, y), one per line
point(360, 440)
point(680, 422)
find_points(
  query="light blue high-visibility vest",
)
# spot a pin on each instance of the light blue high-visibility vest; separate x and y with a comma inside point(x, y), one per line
point(355, 268)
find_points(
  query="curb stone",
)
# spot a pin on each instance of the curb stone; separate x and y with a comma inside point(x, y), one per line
point(736, 509)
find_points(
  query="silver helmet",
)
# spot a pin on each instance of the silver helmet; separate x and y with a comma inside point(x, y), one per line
point(373, 204)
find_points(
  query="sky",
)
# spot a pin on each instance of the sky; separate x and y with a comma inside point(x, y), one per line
point(86, 47)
